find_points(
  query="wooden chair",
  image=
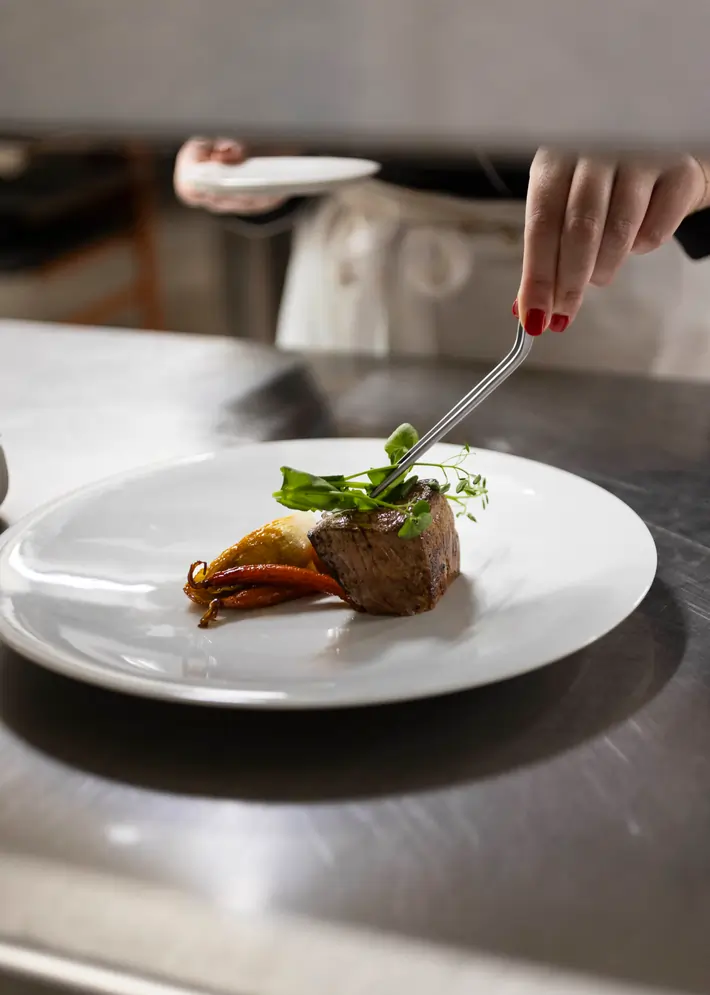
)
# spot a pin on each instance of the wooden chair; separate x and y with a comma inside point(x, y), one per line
point(54, 218)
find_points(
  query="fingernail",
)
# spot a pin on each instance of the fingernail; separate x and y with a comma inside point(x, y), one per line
point(515, 308)
point(559, 322)
point(228, 151)
point(535, 321)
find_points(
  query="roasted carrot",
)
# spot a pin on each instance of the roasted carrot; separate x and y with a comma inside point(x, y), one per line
point(199, 590)
point(273, 575)
point(250, 598)
point(262, 597)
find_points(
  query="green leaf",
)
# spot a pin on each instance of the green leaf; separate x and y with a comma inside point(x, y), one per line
point(400, 442)
point(414, 525)
point(363, 502)
point(303, 491)
point(401, 491)
point(408, 530)
point(299, 479)
point(408, 486)
point(377, 476)
point(298, 501)
point(417, 521)
point(305, 499)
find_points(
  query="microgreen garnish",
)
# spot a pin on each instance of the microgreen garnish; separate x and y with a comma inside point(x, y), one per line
point(400, 442)
point(304, 491)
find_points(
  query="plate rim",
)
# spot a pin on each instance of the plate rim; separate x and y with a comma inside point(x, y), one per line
point(73, 667)
point(370, 168)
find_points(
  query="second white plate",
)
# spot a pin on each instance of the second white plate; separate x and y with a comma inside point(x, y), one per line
point(91, 586)
point(280, 176)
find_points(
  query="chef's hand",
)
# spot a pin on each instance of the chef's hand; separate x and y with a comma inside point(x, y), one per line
point(220, 150)
point(585, 215)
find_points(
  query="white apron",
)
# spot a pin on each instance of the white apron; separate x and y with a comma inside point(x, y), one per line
point(382, 270)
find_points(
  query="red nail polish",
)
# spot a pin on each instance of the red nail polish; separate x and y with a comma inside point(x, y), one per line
point(515, 308)
point(535, 321)
point(559, 322)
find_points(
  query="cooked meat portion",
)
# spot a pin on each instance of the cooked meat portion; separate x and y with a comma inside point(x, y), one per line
point(383, 574)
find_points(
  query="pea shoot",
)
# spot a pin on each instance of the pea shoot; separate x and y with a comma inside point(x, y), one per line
point(302, 491)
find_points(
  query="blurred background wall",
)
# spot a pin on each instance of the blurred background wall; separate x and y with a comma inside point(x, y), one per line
point(95, 99)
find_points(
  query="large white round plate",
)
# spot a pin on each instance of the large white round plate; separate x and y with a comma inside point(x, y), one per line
point(279, 176)
point(92, 586)
point(3, 476)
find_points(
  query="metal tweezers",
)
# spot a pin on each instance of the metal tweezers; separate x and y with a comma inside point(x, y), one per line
point(482, 390)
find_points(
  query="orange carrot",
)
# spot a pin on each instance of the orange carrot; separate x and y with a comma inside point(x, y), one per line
point(251, 597)
point(262, 597)
point(273, 575)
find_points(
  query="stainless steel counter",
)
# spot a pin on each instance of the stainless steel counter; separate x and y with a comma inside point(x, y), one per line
point(562, 817)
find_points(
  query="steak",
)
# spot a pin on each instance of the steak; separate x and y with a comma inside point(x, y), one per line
point(381, 573)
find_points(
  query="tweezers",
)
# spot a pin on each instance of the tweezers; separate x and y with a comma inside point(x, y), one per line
point(482, 390)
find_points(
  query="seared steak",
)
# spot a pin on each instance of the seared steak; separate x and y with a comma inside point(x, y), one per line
point(386, 575)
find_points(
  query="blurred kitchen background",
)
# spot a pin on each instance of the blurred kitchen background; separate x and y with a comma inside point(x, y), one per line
point(90, 229)
point(92, 233)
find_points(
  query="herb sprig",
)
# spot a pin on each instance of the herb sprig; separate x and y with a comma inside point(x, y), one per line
point(302, 491)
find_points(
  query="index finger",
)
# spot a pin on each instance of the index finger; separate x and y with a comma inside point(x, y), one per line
point(550, 181)
point(196, 150)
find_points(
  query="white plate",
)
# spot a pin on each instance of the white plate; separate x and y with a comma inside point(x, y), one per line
point(92, 586)
point(279, 176)
point(4, 479)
